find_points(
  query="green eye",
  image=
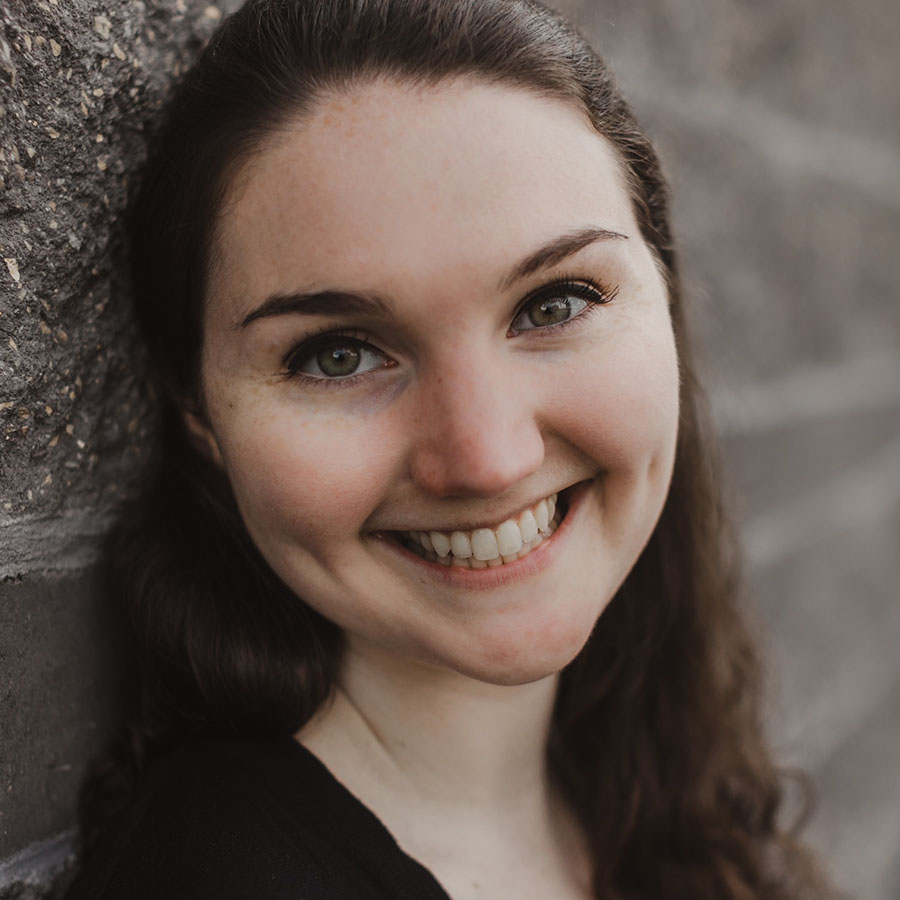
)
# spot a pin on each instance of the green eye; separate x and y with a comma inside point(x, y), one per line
point(556, 305)
point(336, 359)
point(553, 311)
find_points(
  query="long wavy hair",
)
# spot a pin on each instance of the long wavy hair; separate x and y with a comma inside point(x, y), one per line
point(656, 741)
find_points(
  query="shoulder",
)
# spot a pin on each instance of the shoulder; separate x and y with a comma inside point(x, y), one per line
point(219, 818)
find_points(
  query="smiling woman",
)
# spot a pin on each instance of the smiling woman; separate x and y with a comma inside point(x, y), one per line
point(429, 594)
point(484, 379)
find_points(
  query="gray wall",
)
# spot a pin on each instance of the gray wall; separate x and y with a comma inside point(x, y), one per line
point(779, 124)
point(78, 81)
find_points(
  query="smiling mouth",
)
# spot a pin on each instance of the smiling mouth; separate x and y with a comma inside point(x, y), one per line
point(484, 548)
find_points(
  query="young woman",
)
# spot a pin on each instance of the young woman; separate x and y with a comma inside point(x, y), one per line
point(429, 595)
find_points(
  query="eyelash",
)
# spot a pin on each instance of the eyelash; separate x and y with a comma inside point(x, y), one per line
point(589, 290)
point(311, 345)
point(592, 292)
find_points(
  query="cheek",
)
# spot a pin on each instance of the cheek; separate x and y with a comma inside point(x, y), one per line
point(622, 406)
point(307, 477)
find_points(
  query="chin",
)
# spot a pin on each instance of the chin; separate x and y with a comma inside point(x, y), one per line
point(519, 660)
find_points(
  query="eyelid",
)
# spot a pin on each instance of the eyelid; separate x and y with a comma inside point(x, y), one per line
point(594, 292)
point(312, 343)
point(591, 290)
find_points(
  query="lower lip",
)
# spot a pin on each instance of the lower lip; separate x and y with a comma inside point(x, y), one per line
point(522, 569)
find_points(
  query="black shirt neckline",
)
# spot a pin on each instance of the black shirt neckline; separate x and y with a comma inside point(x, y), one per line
point(310, 783)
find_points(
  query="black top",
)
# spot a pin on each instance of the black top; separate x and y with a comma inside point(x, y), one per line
point(230, 819)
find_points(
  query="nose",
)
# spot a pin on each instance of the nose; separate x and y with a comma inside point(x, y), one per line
point(476, 431)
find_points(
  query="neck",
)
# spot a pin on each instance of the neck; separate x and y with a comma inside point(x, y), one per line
point(456, 770)
point(401, 729)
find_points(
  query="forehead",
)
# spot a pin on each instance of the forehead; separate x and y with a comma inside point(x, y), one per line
point(392, 181)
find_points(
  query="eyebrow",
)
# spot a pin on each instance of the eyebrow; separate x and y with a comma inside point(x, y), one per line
point(319, 303)
point(340, 302)
point(557, 250)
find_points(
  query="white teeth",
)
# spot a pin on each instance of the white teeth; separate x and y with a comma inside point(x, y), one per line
point(441, 543)
point(460, 545)
point(528, 526)
point(542, 515)
point(484, 545)
point(509, 538)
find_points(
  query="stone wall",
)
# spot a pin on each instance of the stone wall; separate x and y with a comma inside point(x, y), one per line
point(779, 124)
point(79, 82)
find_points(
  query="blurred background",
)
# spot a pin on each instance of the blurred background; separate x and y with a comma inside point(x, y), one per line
point(779, 123)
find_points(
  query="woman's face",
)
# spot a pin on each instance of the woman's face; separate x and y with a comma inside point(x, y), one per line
point(432, 310)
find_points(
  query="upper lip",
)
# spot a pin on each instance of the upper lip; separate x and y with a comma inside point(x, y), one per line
point(472, 525)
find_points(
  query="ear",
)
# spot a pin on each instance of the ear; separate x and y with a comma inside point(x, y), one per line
point(201, 435)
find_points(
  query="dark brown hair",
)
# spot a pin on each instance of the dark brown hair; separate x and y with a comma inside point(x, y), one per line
point(656, 741)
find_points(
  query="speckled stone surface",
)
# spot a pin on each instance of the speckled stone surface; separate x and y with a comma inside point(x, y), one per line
point(779, 124)
point(79, 83)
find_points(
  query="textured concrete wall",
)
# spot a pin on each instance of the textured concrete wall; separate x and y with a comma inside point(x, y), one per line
point(79, 80)
point(779, 124)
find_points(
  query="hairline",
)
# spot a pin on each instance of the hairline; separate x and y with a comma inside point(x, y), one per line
point(239, 167)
